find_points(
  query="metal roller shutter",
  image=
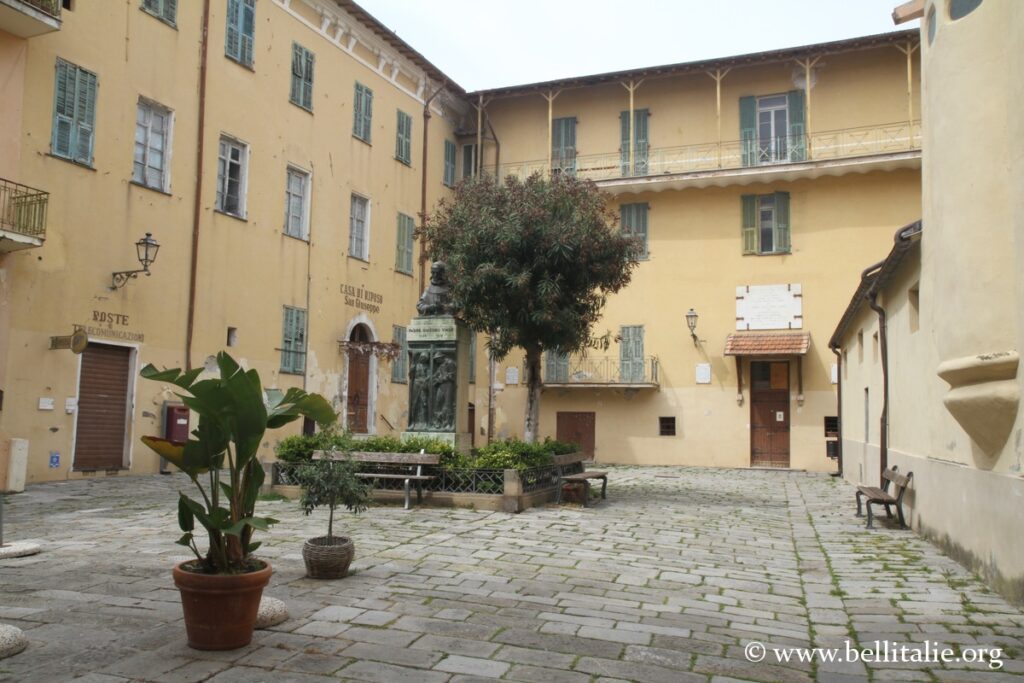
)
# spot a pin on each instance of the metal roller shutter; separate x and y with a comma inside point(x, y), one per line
point(102, 407)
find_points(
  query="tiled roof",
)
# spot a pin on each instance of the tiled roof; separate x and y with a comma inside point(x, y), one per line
point(767, 344)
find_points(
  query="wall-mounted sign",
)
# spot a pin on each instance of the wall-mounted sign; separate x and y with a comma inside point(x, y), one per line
point(769, 307)
point(54, 459)
point(512, 375)
point(45, 403)
point(780, 416)
point(364, 299)
point(703, 373)
point(108, 332)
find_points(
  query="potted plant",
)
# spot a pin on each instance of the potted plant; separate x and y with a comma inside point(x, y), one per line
point(330, 483)
point(221, 589)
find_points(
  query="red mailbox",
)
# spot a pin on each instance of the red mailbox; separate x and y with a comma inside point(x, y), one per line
point(175, 427)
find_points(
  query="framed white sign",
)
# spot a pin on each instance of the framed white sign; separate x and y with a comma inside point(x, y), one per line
point(769, 307)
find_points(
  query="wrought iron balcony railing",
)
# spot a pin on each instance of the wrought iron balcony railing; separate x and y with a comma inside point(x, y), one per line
point(23, 209)
point(51, 7)
point(847, 143)
point(604, 370)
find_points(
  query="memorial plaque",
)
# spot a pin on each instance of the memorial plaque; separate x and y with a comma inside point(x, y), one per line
point(435, 328)
point(769, 307)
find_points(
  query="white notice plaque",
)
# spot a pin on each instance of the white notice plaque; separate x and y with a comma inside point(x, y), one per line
point(512, 375)
point(435, 328)
point(703, 373)
point(769, 307)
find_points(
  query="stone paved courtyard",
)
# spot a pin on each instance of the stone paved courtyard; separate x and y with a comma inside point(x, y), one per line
point(667, 581)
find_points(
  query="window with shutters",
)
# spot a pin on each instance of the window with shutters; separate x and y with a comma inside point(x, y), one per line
point(232, 176)
point(556, 367)
point(403, 138)
point(296, 203)
point(563, 145)
point(293, 341)
point(74, 113)
point(633, 218)
point(362, 113)
point(403, 249)
point(150, 165)
point(631, 353)
point(772, 128)
point(766, 227)
point(449, 163)
point(637, 151)
point(400, 366)
point(359, 228)
point(241, 30)
point(302, 77)
point(165, 10)
point(469, 161)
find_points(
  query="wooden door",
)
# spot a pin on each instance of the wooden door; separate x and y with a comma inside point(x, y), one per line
point(472, 425)
point(769, 414)
point(103, 419)
point(359, 384)
point(577, 428)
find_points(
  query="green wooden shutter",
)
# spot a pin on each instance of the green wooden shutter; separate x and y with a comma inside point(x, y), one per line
point(449, 163)
point(640, 229)
point(296, 92)
point(797, 130)
point(563, 145)
point(63, 109)
point(288, 341)
point(624, 142)
point(749, 223)
point(631, 353)
point(171, 10)
point(640, 117)
point(367, 114)
point(404, 246)
point(556, 367)
point(400, 366)
point(85, 116)
point(247, 31)
point(357, 112)
point(782, 229)
point(403, 138)
point(232, 39)
point(307, 78)
point(748, 130)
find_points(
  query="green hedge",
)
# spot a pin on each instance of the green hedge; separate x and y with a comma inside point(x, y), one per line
point(519, 455)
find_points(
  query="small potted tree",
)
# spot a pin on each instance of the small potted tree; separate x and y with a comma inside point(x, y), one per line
point(330, 483)
point(221, 588)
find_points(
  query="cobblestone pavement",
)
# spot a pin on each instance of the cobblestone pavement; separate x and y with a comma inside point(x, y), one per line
point(670, 579)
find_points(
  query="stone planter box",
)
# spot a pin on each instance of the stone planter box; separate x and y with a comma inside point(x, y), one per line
point(500, 490)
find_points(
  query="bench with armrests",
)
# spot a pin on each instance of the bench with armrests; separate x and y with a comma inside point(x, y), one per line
point(883, 496)
point(572, 471)
point(411, 464)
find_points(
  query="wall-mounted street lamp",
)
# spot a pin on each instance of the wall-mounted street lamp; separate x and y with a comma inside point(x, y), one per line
point(146, 248)
point(691, 322)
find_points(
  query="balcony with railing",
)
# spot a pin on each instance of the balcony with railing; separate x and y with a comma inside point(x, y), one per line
point(22, 216)
point(601, 371)
point(885, 147)
point(29, 18)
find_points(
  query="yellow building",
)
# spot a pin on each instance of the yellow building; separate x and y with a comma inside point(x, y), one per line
point(931, 384)
point(275, 151)
point(760, 184)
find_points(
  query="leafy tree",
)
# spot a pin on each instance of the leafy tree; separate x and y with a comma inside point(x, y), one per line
point(531, 264)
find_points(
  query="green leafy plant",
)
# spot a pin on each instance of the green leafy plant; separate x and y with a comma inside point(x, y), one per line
point(332, 483)
point(520, 455)
point(234, 414)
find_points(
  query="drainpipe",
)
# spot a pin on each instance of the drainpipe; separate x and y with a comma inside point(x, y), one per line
point(839, 407)
point(197, 206)
point(883, 436)
point(423, 184)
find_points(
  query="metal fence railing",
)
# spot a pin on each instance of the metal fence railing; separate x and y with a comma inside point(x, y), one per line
point(490, 481)
point(843, 143)
point(51, 7)
point(23, 208)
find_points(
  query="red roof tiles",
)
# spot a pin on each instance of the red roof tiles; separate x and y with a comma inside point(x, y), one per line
point(767, 344)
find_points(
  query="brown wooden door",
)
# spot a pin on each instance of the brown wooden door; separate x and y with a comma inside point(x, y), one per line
point(472, 425)
point(102, 425)
point(359, 384)
point(577, 428)
point(769, 414)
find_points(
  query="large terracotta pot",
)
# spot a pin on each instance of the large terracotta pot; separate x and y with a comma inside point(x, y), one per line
point(220, 609)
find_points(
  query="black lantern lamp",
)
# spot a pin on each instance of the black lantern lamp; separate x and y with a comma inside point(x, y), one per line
point(691, 322)
point(146, 249)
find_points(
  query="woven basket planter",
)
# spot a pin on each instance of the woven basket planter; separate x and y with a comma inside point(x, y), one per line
point(328, 557)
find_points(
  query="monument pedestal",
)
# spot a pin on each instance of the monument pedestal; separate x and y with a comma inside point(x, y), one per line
point(439, 380)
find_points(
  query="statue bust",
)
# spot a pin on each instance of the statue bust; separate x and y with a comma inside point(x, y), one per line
point(435, 299)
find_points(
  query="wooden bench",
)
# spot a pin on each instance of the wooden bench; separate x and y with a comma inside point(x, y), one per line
point(571, 461)
point(882, 496)
point(412, 462)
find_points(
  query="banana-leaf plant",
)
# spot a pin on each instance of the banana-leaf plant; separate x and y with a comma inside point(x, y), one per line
point(234, 413)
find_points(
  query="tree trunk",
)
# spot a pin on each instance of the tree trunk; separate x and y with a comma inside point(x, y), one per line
point(533, 383)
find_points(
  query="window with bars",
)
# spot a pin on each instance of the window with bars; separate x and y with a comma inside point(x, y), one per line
point(363, 113)
point(302, 77)
point(403, 138)
point(633, 219)
point(167, 10)
point(449, 163)
point(766, 228)
point(404, 244)
point(293, 341)
point(74, 113)
point(152, 146)
point(400, 366)
point(241, 31)
point(359, 228)
point(666, 426)
point(296, 202)
point(232, 163)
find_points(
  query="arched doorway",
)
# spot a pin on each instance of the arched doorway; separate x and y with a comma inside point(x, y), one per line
point(359, 382)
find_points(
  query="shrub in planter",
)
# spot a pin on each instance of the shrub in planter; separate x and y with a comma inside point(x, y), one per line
point(330, 483)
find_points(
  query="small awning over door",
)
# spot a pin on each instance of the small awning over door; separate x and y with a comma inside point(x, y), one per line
point(768, 344)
